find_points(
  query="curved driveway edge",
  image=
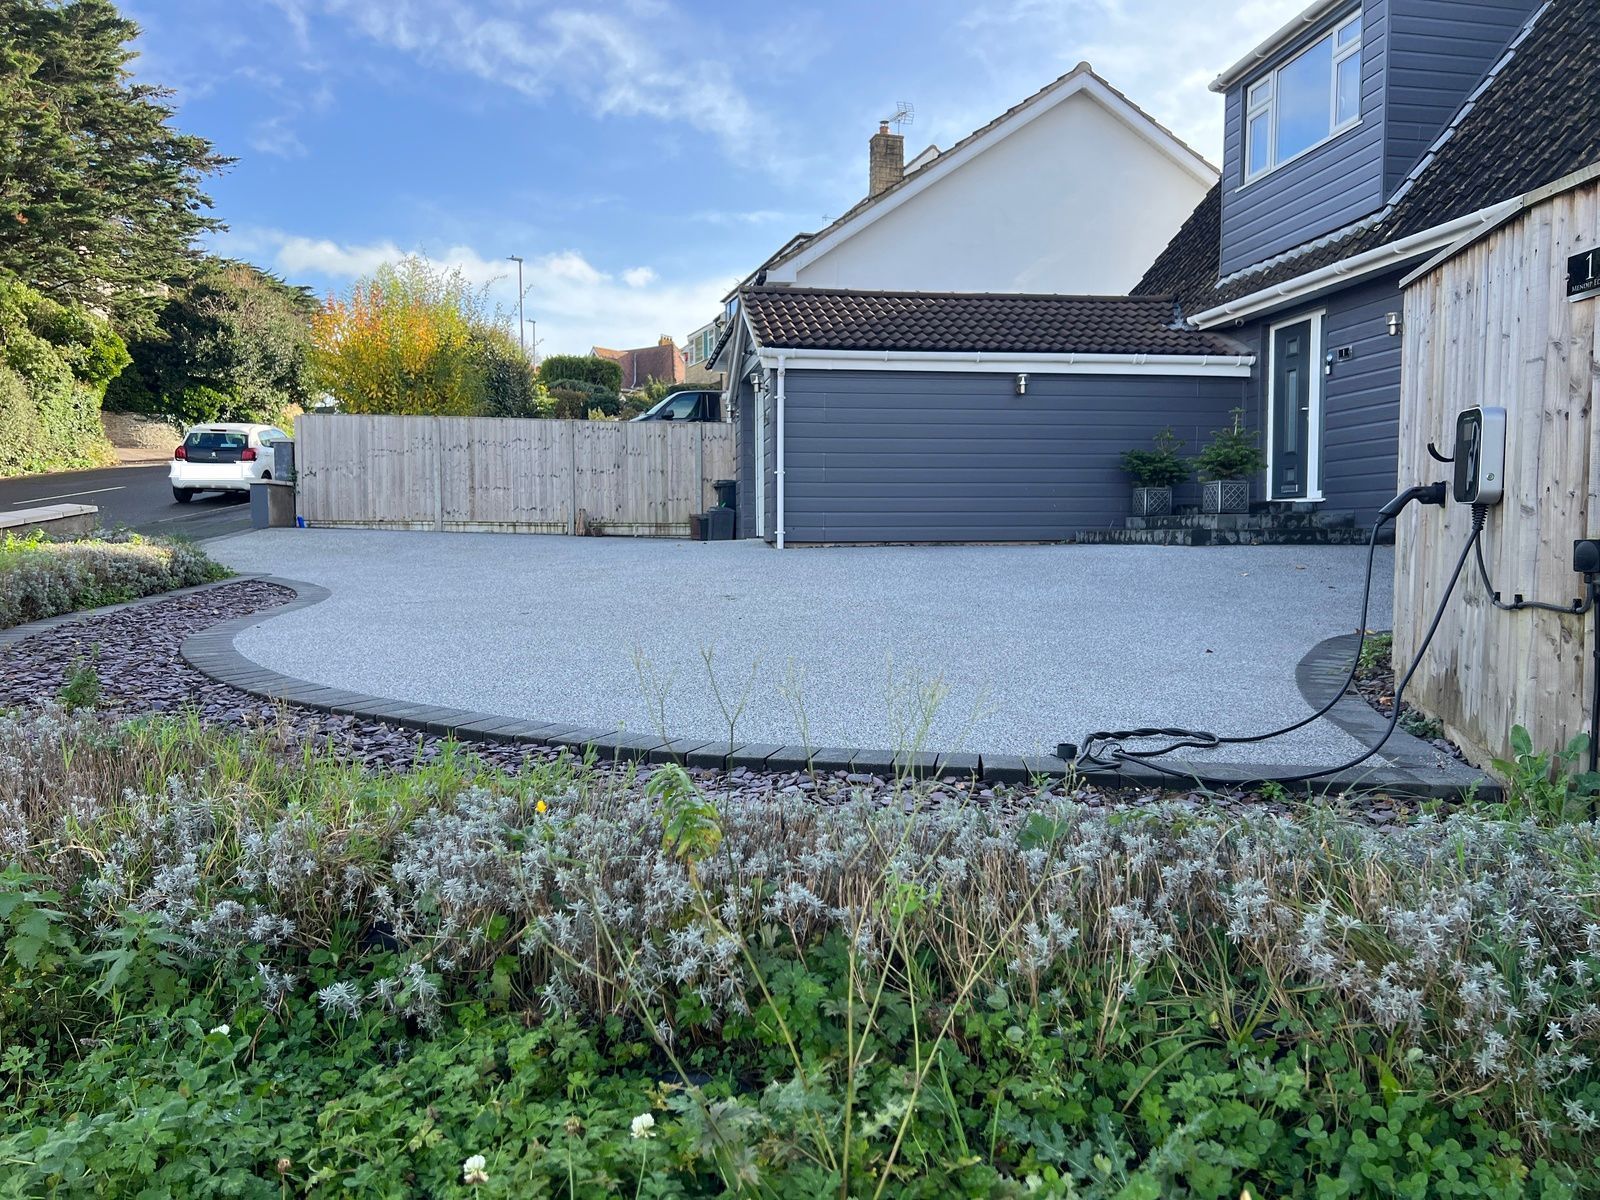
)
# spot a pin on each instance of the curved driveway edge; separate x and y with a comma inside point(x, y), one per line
point(1417, 773)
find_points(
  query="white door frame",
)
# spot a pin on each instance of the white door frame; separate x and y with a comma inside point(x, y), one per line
point(1317, 317)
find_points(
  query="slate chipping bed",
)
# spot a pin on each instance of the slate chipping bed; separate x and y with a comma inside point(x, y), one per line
point(1375, 685)
point(136, 654)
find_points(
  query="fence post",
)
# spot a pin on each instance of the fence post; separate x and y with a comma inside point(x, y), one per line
point(438, 475)
point(572, 476)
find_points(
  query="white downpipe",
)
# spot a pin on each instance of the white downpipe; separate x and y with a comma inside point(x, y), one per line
point(759, 458)
point(779, 471)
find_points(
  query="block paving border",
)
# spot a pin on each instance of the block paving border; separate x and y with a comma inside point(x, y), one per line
point(1414, 769)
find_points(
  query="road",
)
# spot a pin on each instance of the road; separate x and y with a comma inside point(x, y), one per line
point(138, 497)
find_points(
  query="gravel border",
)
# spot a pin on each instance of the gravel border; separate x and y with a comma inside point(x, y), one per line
point(1419, 772)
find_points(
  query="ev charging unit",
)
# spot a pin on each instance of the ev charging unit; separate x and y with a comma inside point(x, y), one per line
point(1480, 456)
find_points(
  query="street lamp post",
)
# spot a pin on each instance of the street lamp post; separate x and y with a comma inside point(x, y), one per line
point(522, 321)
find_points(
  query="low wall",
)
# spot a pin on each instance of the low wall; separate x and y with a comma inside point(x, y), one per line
point(130, 431)
point(57, 520)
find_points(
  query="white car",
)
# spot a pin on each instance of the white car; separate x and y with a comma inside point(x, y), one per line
point(223, 458)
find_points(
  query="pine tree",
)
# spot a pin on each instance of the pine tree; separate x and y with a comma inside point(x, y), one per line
point(100, 198)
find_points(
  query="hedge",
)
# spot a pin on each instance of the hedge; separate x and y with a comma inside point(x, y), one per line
point(55, 363)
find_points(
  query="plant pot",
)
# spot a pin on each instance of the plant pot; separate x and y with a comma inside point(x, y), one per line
point(1225, 496)
point(1152, 501)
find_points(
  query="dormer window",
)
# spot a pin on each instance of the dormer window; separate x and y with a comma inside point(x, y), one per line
point(1314, 96)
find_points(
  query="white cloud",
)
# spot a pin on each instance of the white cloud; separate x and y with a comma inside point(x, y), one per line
point(1166, 75)
point(758, 216)
point(273, 136)
point(575, 303)
point(639, 61)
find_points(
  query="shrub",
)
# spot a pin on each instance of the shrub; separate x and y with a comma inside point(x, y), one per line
point(576, 399)
point(1232, 453)
point(511, 386)
point(233, 343)
point(291, 974)
point(55, 363)
point(586, 368)
point(1161, 467)
point(40, 578)
point(401, 341)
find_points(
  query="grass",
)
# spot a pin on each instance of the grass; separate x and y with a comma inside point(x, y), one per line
point(43, 578)
point(234, 960)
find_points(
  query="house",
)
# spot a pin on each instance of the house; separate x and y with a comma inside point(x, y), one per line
point(1360, 139)
point(661, 363)
point(959, 417)
point(697, 348)
point(1074, 190)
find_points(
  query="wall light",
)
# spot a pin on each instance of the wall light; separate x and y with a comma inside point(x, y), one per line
point(1395, 323)
point(1022, 385)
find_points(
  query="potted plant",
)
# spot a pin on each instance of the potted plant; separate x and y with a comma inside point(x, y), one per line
point(1226, 465)
point(1155, 473)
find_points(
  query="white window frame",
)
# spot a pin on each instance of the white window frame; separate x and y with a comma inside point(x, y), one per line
point(1318, 385)
point(1268, 104)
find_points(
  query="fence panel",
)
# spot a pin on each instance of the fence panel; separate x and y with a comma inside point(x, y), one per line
point(527, 476)
point(1492, 325)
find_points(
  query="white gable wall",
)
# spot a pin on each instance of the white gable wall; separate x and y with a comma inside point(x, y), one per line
point(1073, 202)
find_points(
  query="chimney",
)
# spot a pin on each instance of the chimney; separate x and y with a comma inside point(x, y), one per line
point(886, 160)
point(664, 340)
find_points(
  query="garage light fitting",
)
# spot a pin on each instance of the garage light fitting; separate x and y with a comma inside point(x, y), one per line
point(1022, 385)
point(1394, 323)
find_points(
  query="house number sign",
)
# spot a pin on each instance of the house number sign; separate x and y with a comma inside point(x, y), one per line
point(1583, 275)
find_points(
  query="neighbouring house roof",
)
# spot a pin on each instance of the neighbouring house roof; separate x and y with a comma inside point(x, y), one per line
point(1081, 79)
point(1535, 119)
point(663, 363)
point(795, 318)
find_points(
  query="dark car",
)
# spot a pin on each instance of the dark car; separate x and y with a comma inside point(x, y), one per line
point(698, 405)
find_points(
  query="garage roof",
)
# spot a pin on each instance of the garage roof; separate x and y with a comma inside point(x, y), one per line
point(794, 318)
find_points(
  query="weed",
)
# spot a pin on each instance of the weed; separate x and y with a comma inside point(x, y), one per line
point(82, 689)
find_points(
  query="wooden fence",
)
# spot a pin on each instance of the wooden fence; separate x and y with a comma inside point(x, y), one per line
point(526, 476)
point(1492, 325)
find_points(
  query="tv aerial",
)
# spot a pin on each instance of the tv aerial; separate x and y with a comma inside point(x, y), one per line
point(904, 114)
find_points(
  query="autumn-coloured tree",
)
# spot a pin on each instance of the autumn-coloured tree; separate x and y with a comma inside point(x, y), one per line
point(403, 341)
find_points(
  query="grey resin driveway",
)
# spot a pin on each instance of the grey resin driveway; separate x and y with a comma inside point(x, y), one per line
point(1028, 646)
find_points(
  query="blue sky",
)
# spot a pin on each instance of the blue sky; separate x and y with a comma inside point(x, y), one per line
point(640, 155)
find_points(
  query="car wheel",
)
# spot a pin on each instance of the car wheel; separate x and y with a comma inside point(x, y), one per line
point(183, 495)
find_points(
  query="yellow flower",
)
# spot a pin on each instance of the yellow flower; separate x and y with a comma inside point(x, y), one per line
point(541, 807)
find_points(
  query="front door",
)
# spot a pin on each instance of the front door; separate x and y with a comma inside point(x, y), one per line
point(1295, 408)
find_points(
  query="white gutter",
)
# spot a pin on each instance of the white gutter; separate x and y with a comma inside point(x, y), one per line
point(779, 470)
point(999, 363)
point(1368, 262)
point(1275, 43)
point(1514, 208)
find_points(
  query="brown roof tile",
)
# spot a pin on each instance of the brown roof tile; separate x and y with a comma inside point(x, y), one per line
point(821, 319)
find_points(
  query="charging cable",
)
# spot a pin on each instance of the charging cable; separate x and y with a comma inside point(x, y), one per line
point(1517, 604)
point(1108, 749)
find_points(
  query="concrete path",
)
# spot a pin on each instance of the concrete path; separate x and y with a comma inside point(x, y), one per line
point(1025, 646)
